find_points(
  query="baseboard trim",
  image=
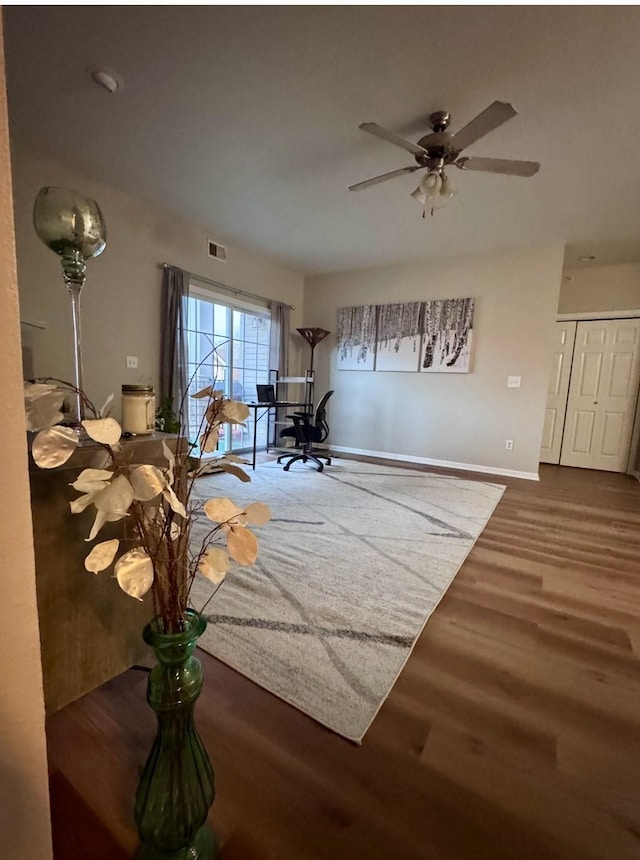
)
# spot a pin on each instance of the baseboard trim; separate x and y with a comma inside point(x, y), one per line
point(443, 464)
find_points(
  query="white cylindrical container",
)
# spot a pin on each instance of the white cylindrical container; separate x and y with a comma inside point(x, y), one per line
point(138, 409)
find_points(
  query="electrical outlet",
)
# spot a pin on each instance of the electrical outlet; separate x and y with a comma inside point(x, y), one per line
point(508, 444)
point(132, 361)
point(514, 381)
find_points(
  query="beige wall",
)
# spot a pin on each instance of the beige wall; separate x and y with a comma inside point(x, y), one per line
point(24, 799)
point(121, 299)
point(459, 418)
point(604, 288)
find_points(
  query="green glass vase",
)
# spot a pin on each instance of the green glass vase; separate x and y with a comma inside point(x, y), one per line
point(176, 788)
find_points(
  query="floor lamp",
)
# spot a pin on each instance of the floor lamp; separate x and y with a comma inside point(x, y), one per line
point(313, 336)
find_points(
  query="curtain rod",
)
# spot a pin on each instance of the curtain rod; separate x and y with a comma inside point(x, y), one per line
point(234, 290)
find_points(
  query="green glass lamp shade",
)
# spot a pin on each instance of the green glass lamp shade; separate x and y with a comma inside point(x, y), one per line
point(72, 226)
point(69, 223)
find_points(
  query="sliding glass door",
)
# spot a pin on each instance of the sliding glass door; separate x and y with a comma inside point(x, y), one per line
point(228, 346)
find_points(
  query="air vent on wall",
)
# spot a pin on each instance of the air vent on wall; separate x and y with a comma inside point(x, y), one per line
point(217, 251)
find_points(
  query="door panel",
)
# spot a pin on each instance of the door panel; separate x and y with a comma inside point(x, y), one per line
point(602, 395)
point(613, 433)
point(621, 375)
point(557, 392)
point(583, 432)
point(596, 336)
point(589, 374)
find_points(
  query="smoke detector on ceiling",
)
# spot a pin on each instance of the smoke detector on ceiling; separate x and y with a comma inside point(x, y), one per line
point(105, 80)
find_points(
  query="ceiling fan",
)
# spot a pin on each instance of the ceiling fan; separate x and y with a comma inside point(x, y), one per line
point(442, 149)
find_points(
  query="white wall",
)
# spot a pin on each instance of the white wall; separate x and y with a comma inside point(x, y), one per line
point(24, 794)
point(602, 288)
point(457, 418)
point(121, 299)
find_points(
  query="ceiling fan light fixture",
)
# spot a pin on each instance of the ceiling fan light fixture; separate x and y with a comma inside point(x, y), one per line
point(434, 191)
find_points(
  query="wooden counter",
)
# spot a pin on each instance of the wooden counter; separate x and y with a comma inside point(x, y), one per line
point(90, 630)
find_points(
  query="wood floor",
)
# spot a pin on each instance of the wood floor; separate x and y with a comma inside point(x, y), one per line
point(513, 733)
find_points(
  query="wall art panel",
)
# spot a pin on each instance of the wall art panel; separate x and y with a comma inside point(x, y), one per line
point(357, 337)
point(398, 336)
point(447, 336)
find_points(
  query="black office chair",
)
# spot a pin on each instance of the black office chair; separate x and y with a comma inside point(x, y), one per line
point(307, 435)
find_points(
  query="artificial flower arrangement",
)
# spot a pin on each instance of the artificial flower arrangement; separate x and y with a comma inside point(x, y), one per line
point(155, 501)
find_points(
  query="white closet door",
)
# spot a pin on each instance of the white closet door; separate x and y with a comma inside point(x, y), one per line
point(558, 392)
point(602, 395)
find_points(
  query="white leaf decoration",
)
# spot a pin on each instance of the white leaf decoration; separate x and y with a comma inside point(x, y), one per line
point(54, 446)
point(258, 514)
point(34, 390)
point(209, 439)
point(101, 555)
point(116, 498)
point(174, 502)
point(243, 546)
point(174, 531)
point(82, 503)
point(168, 453)
point(171, 460)
point(204, 392)
point(147, 482)
point(215, 564)
point(103, 412)
point(44, 410)
point(90, 480)
point(232, 469)
point(100, 520)
point(235, 411)
point(134, 572)
point(107, 431)
point(221, 510)
point(233, 458)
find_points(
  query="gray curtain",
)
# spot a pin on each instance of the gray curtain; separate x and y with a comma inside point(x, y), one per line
point(279, 340)
point(174, 376)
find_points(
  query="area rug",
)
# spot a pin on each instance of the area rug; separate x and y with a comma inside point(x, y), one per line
point(350, 568)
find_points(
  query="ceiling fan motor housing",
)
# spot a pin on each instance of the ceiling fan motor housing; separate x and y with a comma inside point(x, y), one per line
point(438, 145)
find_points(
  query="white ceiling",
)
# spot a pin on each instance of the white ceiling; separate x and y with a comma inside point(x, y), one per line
point(246, 119)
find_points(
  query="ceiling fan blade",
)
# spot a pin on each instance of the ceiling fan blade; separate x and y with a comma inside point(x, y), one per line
point(490, 118)
point(391, 137)
point(383, 178)
point(499, 165)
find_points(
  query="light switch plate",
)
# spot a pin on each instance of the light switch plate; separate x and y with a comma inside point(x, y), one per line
point(132, 361)
point(513, 381)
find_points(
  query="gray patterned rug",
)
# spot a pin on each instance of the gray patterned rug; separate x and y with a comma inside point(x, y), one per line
point(350, 568)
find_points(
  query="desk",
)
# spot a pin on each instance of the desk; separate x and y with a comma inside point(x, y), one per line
point(266, 409)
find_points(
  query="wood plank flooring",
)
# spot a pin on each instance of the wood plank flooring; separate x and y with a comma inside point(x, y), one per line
point(512, 734)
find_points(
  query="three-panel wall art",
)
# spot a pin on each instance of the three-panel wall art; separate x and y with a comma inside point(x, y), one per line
point(430, 337)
